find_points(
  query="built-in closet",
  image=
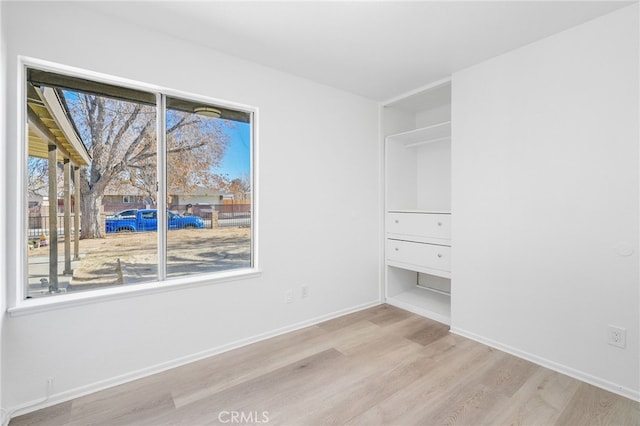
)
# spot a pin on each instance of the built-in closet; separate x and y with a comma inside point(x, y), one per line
point(418, 219)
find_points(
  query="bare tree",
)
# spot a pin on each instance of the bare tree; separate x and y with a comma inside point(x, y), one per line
point(120, 137)
point(37, 176)
point(240, 187)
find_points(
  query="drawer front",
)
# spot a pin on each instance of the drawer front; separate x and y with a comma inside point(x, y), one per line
point(430, 225)
point(429, 256)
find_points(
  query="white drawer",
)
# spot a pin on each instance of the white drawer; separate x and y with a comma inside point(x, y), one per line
point(419, 256)
point(422, 225)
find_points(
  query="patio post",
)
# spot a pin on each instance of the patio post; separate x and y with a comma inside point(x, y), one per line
point(67, 217)
point(76, 213)
point(53, 219)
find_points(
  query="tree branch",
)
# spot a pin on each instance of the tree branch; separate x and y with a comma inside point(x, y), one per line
point(181, 123)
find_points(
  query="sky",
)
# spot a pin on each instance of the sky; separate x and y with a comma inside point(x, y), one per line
point(236, 160)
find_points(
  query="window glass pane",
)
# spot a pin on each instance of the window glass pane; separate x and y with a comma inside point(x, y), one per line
point(92, 190)
point(109, 146)
point(208, 188)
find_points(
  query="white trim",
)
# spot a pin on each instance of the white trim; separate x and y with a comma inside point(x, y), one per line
point(255, 192)
point(382, 204)
point(161, 180)
point(68, 300)
point(21, 232)
point(384, 191)
point(416, 91)
point(187, 359)
point(414, 144)
point(26, 61)
point(560, 368)
point(18, 305)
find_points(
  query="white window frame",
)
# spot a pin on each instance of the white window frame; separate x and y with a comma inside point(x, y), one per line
point(21, 306)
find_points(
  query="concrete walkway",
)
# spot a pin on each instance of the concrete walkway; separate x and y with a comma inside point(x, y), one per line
point(38, 270)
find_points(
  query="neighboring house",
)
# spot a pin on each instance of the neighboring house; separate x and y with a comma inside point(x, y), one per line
point(197, 201)
point(35, 202)
point(35, 221)
point(200, 195)
point(124, 197)
point(244, 198)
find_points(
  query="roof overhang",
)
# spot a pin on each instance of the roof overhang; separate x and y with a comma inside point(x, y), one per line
point(49, 124)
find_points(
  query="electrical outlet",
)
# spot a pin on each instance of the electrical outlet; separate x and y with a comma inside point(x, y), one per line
point(617, 336)
point(288, 296)
point(304, 291)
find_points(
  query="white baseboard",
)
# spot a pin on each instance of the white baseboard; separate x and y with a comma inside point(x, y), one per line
point(560, 368)
point(70, 394)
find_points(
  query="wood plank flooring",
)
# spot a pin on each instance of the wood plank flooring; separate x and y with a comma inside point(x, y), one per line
point(381, 366)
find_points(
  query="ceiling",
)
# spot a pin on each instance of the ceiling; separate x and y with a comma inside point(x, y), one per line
point(375, 49)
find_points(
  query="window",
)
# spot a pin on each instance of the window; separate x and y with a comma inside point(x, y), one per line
point(126, 214)
point(124, 185)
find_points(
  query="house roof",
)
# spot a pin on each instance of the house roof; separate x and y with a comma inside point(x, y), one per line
point(49, 124)
point(200, 191)
point(126, 188)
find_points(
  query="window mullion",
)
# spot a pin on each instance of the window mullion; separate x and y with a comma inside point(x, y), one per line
point(161, 132)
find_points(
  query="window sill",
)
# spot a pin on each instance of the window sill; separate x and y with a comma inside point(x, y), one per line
point(63, 301)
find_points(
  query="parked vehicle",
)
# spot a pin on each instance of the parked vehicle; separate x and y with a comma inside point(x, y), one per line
point(124, 214)
point(147, 220)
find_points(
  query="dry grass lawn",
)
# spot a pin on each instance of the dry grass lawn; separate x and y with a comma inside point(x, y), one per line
point(128, 258)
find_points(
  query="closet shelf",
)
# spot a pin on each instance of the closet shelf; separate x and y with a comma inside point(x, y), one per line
point(419, 211)
point(424, 135)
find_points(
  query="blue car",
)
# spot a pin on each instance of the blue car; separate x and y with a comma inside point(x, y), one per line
point(147, 220)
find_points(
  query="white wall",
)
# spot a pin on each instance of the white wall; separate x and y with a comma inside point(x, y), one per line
point(434, 174)
point(3, 144)
point(318, 145)
point(545, 194)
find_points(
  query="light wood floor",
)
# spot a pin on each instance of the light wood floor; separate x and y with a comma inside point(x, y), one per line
point(381, 366)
